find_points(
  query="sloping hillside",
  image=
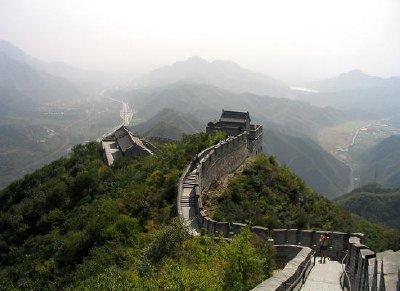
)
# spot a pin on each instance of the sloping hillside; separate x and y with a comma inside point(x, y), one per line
point(319, 169)
point(375, 203)
point(382, 163)
point(77, 224)
point(169, 123)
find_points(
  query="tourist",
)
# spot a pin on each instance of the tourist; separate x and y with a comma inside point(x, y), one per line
point(324, 243)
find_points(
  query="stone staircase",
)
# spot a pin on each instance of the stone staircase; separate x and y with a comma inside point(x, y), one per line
point(188, 203)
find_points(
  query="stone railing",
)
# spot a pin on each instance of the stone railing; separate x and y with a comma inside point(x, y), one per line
point(368, 270)
point(295, 271)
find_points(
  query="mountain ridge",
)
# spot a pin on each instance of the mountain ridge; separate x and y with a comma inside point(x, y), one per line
point(223, 74)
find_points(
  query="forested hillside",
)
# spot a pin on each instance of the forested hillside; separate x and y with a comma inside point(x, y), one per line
point(77, 224)
point(374, 202)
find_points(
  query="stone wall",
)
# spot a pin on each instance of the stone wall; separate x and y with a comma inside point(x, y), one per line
point(295, 271)
point(367, 270)
point(224, 158)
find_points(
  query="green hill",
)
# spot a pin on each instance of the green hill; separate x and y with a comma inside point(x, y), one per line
point(375, 203)
point(265, 193)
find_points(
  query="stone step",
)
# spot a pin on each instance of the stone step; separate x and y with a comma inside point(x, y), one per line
point(188, 204)
point(188, 199)
point(190, 184)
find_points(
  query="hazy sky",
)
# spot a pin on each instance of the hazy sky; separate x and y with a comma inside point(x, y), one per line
point(289, 40)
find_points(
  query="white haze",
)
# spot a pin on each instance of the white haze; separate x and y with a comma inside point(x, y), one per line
point(289, 40)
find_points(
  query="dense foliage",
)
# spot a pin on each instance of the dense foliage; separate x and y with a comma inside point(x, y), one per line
point(77, 224)
point(267, 194)
point(375, 203)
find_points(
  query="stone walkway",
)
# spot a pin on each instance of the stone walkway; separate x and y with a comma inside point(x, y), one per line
point(188, 202)
point(324, 277)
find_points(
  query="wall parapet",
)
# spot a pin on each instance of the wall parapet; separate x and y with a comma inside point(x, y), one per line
point(368, 270)
point(295, 271)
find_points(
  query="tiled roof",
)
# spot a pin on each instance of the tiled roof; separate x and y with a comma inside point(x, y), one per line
point(234, 116)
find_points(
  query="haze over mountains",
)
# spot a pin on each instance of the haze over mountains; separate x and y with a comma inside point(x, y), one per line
point(355, 89)
point(223, 74)
point(43, 112)
point(59, 69)
point(183, 97)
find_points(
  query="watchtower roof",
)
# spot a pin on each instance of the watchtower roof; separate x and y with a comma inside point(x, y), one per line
point(234, 116)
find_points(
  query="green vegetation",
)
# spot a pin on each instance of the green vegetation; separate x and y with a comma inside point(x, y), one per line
point(270, 195)
point(375, 203)
point(77, 224)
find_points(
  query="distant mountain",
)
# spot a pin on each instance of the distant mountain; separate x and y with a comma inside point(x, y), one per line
point(58, 69)
point(377, 204)
point(319, 169)
point(171, 124)
point(347, 81)
point(382, 163)
point(225, 75)
point(206, 102)
point(20, 80)
point(356, 90)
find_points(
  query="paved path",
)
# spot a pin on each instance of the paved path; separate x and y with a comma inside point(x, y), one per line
point(324, 277)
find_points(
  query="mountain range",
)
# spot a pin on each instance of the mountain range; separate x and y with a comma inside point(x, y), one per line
point(183, 97)
point(223, 74)
point(355, 89)
point(59, 69)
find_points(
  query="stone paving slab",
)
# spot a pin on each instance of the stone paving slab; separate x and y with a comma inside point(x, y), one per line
point(324, 277)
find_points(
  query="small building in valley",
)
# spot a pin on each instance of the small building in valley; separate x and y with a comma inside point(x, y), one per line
point(122, 142)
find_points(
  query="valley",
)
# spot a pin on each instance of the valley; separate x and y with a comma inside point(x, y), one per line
point(32, 139)
point(349, 142)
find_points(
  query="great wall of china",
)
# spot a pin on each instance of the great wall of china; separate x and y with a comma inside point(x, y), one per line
point(365, 270)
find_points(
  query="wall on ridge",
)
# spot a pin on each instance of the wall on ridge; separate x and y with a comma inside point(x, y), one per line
point(224, 158)
point(366, 270)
